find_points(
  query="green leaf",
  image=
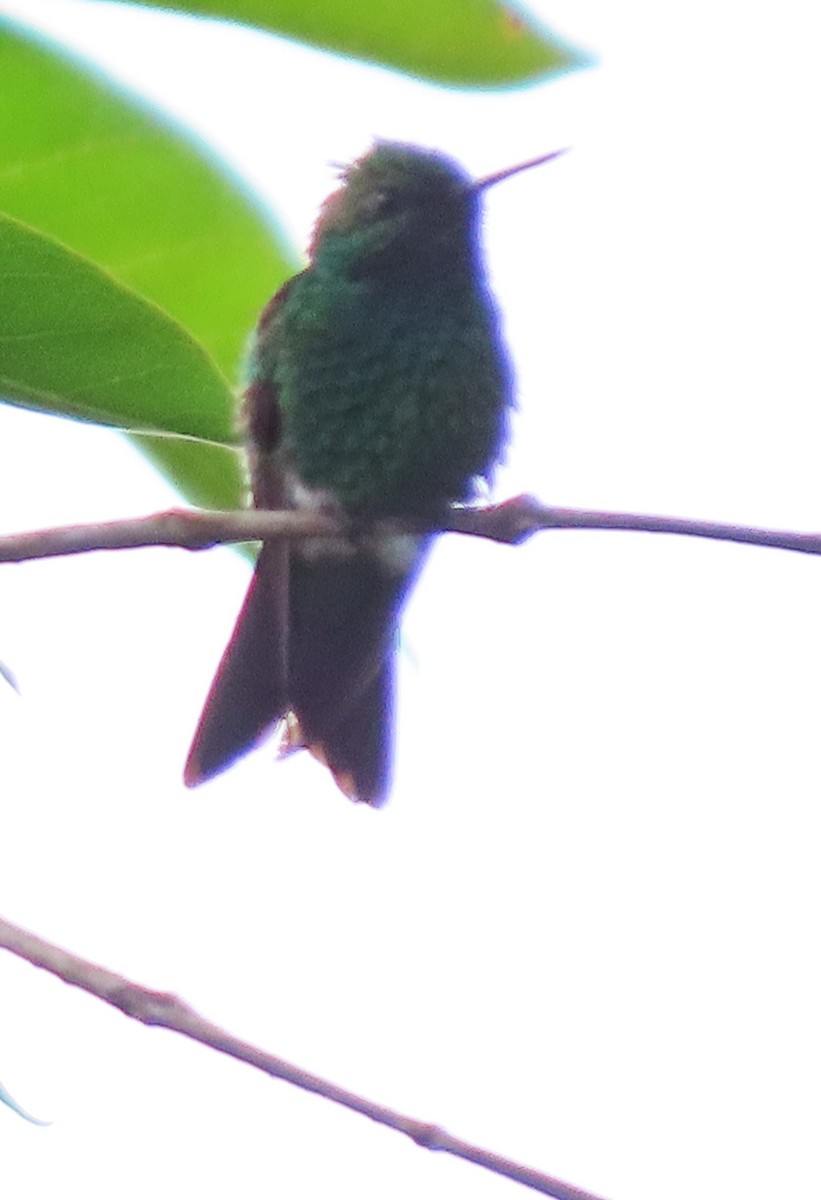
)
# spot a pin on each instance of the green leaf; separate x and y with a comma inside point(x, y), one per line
point(469, 43)
point(105, 175)
point(208, 475)
point(5, 1098)
point(74, 341)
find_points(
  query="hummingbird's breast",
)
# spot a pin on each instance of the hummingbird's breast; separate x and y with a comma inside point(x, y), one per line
point(393, 400)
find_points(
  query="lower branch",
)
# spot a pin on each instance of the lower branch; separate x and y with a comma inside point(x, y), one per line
point(169, 1012)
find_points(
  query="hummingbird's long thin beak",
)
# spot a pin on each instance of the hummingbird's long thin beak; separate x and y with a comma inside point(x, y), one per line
point(489, 180)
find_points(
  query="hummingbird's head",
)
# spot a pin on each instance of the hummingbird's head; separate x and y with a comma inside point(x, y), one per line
point(400, 209)
point(404, 212)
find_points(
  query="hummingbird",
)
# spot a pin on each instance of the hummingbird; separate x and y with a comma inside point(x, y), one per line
point(377, 386)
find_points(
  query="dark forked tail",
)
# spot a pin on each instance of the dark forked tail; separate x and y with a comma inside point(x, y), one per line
point(326, 662)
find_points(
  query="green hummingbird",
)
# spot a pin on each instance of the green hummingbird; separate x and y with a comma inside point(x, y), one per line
point(378, 386)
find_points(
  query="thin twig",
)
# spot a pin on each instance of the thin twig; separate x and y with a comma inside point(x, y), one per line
point(511, 522)
point(169, 1012)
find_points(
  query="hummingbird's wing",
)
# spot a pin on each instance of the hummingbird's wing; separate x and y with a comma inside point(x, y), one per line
point(249, 694)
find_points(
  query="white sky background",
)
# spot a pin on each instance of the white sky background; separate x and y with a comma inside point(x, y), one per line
point(585, 930)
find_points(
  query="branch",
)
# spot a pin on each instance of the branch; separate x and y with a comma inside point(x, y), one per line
point(169, 1012)
point(511, 522)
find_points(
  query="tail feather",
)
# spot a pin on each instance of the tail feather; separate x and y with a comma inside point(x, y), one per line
point(249, 694)
point(344, 616)
point(333, 678)
point(359, 749)
point(356, 747)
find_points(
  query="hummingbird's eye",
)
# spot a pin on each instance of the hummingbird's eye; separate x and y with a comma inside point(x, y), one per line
point(381, 203)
